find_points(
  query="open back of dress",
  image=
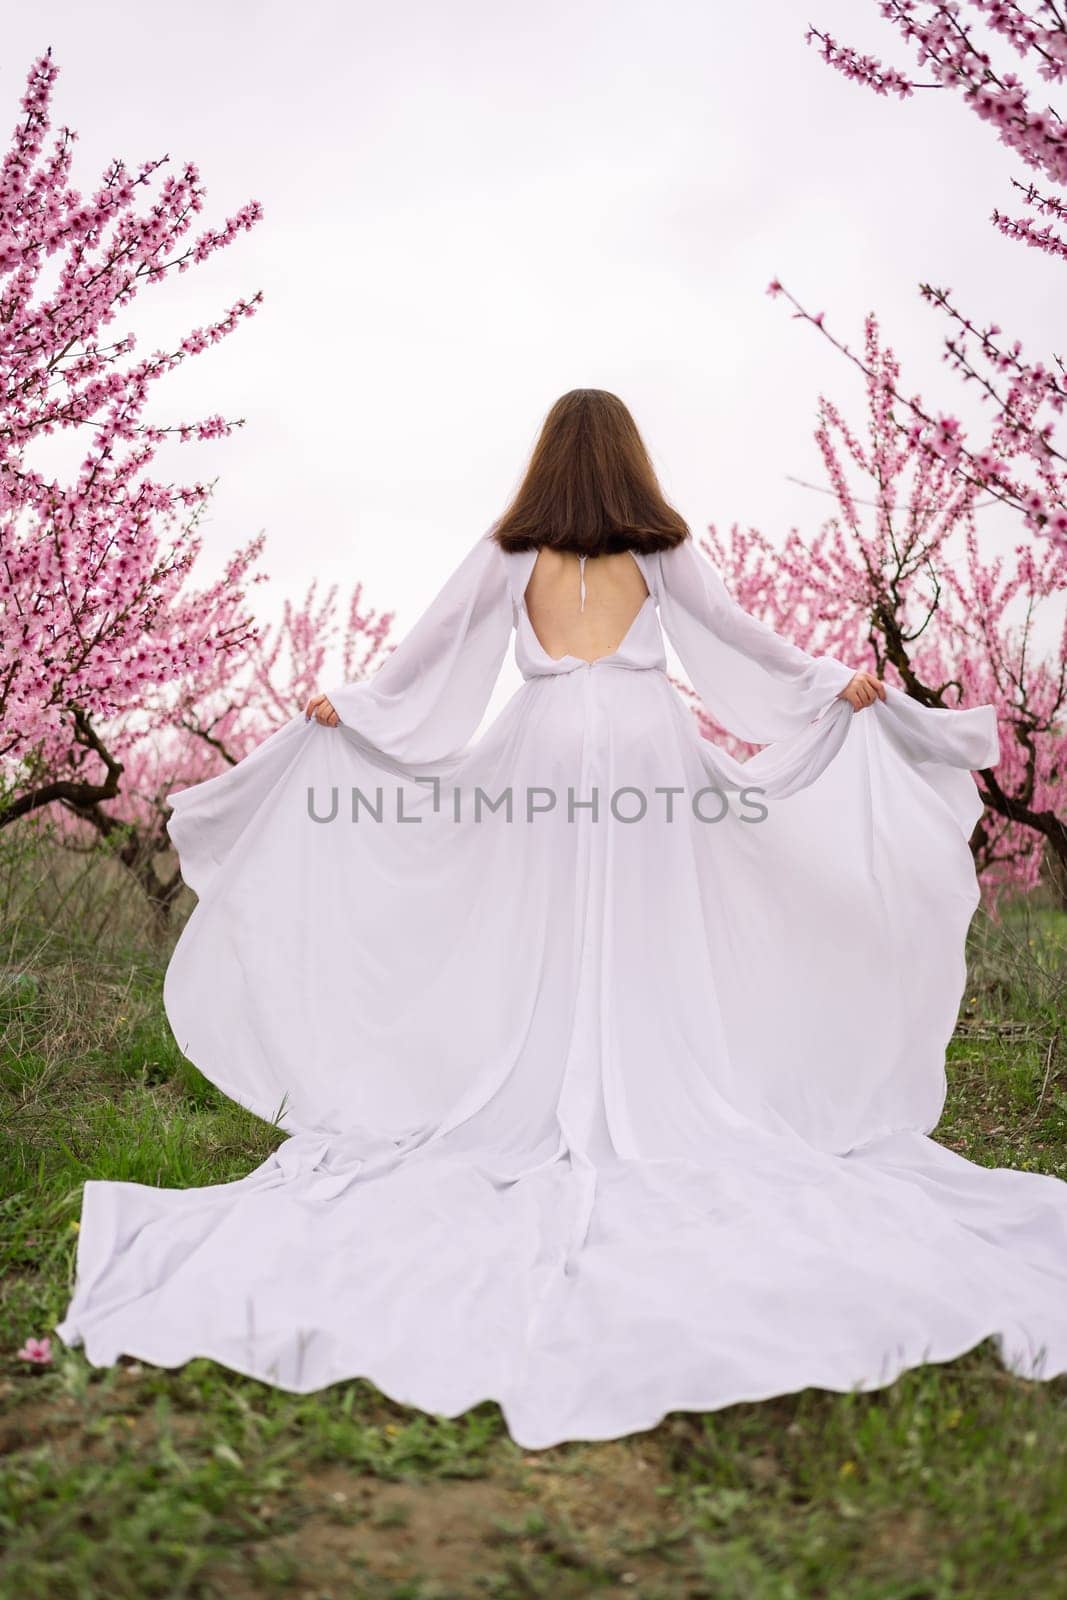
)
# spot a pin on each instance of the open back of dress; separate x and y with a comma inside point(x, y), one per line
point(556, 606)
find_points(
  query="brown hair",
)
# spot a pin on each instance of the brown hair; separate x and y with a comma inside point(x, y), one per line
point(590, 486)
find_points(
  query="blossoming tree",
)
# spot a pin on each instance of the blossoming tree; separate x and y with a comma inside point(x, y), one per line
point(961, 47)
point(899, 582)
point(98, 618)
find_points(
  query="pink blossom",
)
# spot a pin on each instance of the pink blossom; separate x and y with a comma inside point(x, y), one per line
point(37, 1351)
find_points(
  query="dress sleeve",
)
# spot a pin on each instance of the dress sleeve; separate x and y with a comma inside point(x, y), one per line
point(756, 684)
point(427, 698)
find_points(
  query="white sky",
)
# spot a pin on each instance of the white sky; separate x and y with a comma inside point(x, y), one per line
point(475, 205)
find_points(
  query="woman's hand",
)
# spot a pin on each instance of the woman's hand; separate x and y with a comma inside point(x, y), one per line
point(321, 709)
point(864, 689)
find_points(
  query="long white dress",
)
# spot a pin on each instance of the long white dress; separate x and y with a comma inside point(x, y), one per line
point(598, 1114)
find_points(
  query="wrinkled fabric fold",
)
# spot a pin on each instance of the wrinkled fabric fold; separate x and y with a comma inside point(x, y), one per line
point(753, 682)
point(431, 692)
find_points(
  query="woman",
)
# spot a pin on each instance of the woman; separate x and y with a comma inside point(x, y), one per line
point(608, 1062)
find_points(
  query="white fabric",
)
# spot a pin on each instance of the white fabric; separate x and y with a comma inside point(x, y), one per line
point(593, 1117)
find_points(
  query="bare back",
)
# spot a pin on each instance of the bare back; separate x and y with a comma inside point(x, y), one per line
point(615, 591)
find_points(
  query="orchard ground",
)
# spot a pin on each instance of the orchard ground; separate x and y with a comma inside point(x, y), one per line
point(134, 1482)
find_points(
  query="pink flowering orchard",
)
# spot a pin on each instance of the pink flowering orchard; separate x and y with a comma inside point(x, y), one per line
point(898, 581)
point(967, 47)
point(99, 617)
point(121, 680)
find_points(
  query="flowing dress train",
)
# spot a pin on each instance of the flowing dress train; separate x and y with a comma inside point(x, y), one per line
point(608, 1063)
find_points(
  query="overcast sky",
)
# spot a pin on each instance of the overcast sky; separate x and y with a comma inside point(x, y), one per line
point(475, 205)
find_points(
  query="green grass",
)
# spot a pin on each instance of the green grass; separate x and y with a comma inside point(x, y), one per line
point(137, 1482)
